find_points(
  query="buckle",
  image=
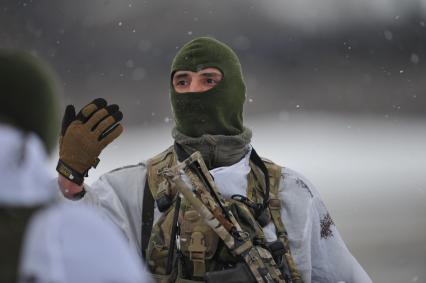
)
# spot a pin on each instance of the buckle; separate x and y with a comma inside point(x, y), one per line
point(275, 204)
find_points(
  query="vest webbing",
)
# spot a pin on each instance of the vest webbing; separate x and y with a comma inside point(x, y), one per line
point(153, 179)
point(274, 172)
point(255, 192)
point(13, 225)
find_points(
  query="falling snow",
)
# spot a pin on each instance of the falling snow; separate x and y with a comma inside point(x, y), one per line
point(388, 34)
point(414, 58)
point(130, 63)
point(144, 45)
point(138, 74)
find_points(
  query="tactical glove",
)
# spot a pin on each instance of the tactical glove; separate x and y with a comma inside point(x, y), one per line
point(84, 136)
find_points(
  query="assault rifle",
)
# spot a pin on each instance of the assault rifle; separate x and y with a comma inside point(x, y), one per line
point(192, 179)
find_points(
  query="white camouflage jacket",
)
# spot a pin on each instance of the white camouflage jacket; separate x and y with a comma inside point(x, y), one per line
point(316, 245)
point(63, 242)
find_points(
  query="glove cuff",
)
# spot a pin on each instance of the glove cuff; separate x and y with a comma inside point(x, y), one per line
point(70, 173)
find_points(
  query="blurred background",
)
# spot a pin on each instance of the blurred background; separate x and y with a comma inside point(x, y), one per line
point(335, 90)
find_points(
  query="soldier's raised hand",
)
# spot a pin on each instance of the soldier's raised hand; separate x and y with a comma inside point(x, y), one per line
point(85, 135)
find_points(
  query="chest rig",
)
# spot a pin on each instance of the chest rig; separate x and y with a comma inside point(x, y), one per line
point(199, 249)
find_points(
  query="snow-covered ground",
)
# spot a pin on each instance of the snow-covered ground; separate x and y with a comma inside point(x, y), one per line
point(370, 170)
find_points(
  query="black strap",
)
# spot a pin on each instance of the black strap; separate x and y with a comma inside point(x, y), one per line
point(180, 152)
point(70, 173)
point(172, 243)
point(147, 218)
point(259, 163)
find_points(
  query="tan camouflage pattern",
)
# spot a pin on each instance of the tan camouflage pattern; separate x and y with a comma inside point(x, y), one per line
point(275, 210)
point(160, 170)
point(255, 257)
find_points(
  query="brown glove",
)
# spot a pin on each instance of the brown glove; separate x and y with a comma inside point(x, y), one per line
point(84, 136)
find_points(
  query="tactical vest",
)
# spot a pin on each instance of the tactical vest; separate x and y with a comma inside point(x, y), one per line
point(200, 248)
point(13, 225)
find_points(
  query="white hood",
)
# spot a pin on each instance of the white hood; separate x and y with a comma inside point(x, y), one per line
point(24, 177)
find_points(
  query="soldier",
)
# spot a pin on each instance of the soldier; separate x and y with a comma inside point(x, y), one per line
point(35, 244)
point(207, 93)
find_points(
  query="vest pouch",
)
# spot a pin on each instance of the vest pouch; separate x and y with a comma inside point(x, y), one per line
point(248, 224)
point(277, 250)
point(263, 217)
point(270, 263)
point(164, 196)
point(158, 278)
point(245, 218)
point(163, 203)
point(198, 241)
point(158, 247)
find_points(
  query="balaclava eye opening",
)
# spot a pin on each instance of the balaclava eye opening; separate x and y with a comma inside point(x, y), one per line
point(219, 110)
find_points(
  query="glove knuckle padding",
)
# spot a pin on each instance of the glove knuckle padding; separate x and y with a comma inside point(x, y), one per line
point(105, 124)
point(76, 149)
point(98, 116)
point(88, 110)
point(91, 108)
point(80, 147)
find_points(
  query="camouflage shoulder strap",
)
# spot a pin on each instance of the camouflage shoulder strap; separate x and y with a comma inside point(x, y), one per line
point(13, 225)
point(274, 172)
point(155, 165)
point(152, 191)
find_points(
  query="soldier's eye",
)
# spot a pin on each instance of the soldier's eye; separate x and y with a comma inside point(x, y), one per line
point(211, 81)
point(182, 83)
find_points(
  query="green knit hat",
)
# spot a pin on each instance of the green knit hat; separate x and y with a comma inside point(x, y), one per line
point(28, 96)
point(218, 111)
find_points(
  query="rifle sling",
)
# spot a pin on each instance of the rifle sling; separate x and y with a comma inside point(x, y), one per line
point(173, 237)
point(259, 163)
point(147, 218)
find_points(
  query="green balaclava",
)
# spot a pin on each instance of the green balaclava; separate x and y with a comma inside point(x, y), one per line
point(218, 111)
point(28, 96)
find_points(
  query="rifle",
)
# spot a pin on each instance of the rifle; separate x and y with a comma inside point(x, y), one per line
point(201, 192)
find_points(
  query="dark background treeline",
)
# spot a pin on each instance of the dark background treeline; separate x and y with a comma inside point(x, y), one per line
point(338, 56)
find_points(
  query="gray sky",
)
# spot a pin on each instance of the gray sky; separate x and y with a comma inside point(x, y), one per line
point(335, 56)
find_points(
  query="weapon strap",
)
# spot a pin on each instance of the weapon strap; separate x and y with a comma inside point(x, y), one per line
point(147, 218)
point(259, 163)
point(271, 173)
point(172, 243)
point(275, 209)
